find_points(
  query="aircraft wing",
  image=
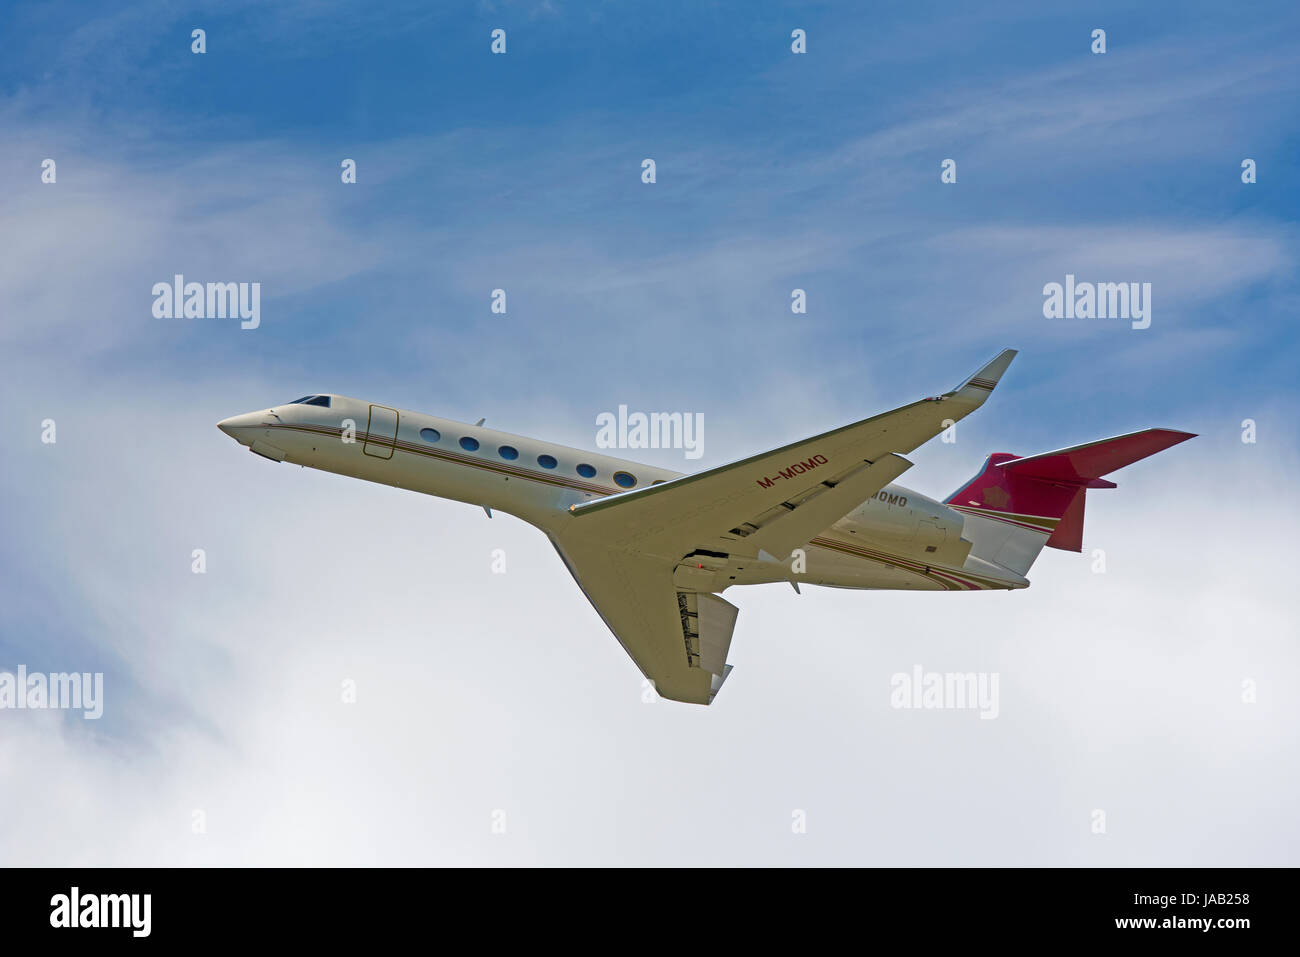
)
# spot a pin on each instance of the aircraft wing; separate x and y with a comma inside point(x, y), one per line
point(781, 498)
point(648, 559)
point(679, 639)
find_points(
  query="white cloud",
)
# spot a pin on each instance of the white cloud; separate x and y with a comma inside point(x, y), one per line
point(480, 692)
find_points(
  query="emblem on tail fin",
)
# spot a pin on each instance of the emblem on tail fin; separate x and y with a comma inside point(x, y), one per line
point(995, 496)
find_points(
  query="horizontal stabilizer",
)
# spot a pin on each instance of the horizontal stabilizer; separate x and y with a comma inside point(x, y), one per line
point(1017, 505)
point(1084, 464)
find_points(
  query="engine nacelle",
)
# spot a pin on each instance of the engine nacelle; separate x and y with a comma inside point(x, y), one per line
point(909, 523)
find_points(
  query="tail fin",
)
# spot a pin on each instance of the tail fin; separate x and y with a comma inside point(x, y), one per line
point(1016, 505)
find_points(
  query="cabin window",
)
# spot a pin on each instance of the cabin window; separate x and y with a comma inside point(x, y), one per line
point(547, 461)
point(624, 479)
point(430, 435)
point(508, 452)
point(322, 400)
point(468, 444)
point(586, 471)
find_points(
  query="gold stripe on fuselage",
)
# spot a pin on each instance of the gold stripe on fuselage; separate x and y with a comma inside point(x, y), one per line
point(928, 572)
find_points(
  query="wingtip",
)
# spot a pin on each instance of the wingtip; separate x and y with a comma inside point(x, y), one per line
point(989, 374)
point(999, 365)
point(1177, 435)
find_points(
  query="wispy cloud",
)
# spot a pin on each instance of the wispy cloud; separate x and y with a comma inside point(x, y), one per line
point(476, 691)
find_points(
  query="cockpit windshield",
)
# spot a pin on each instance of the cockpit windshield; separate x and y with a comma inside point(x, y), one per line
point(322, 400)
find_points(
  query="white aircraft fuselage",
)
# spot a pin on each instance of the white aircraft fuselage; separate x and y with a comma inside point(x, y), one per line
point(653, 549)
point(897, 539)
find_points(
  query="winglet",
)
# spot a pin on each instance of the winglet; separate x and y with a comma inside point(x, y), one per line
point(988, 376)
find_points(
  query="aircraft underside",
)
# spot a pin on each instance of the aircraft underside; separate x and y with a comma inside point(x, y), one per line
point(653, 550)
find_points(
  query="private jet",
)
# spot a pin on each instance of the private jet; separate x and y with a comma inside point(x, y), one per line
point(654, 549)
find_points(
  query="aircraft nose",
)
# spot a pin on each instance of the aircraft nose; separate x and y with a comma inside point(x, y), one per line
point(234, 425)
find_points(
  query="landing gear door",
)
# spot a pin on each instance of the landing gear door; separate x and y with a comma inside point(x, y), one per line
point(381, 432)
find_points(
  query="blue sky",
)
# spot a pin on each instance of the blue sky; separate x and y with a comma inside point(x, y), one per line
point(522, 171)
point(775, 171)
